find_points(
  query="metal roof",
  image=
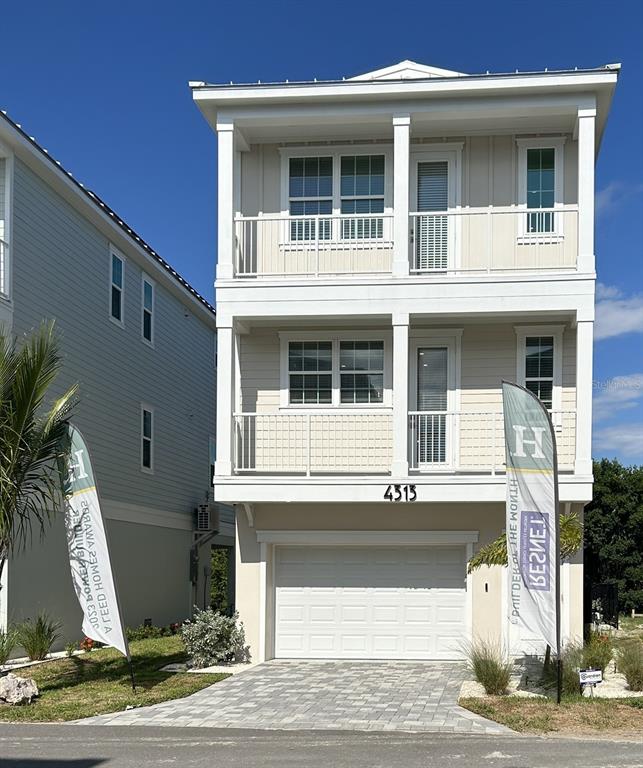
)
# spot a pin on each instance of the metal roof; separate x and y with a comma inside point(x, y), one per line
point(102, 205)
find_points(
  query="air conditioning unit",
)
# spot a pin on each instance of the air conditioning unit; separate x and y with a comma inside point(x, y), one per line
point(207, 518)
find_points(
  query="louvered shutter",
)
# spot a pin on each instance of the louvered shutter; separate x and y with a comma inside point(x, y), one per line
point(432, 239)
point(432, 389)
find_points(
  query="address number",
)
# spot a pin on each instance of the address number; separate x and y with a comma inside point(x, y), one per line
point(400, 493)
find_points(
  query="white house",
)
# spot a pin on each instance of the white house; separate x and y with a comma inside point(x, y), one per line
point(390, 248)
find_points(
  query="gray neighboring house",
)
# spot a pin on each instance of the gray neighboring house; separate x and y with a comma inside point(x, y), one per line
point(141, 343)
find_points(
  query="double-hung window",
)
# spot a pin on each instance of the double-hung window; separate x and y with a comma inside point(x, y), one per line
point(541, 187)
point(147, 437)
point(116, 287)
point(310, 193)
point(361, 368)
point(539, 367)
point(334, 372)
point(147, 309)
point(362, 192)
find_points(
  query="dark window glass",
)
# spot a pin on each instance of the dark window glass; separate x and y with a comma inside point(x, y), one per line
point(116, 304)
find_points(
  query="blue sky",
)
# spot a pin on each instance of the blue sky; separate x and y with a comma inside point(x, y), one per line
point(104, 88)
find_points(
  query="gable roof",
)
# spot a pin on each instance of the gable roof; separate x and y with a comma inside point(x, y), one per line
point(407, 70)
point(103, 208)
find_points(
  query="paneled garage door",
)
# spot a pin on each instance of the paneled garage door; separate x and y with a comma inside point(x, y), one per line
point(370, 602)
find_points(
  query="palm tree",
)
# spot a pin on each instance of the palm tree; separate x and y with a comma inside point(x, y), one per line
point(33, 441)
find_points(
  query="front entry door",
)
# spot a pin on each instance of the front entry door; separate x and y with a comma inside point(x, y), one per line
point(432, 237)
point(432, 403)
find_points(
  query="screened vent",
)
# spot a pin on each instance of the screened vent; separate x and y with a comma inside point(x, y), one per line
point(432, 236)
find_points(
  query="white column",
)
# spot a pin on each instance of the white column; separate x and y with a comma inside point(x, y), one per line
point(226, 200)
point(225, 399)
point(401, 162)
point(586, 160)
point(400, 466)
point(584, 386)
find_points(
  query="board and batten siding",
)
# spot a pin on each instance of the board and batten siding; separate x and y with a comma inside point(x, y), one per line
point(3, 167)
point(62, 272)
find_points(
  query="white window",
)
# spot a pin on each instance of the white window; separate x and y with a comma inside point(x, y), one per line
point(147, 308)
point(116, 287)
point(349, 186)
point(347, 370)
point(147, 438)
point(540, 185)
point(540, 363)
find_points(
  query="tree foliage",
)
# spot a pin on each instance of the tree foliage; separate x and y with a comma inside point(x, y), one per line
point(495, 552)
point(33, 439)
point(614, 531)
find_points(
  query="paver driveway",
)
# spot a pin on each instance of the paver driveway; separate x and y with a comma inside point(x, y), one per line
point(323, 695)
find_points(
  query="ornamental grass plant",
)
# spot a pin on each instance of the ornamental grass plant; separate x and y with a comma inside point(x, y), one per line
point(490, 665)
point(37, 637)
point(629, 661)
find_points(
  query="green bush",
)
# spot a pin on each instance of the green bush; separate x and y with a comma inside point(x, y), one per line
point(572, 658)
point(146, 632)
point(8, 641)
point(629, 660)
point(211, 638)
point(37, 637)
point(598, 651)
point(490, 666)
point(70, 649)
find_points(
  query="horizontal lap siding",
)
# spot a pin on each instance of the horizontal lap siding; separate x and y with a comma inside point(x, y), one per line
point(3, 164)
point(61, 272)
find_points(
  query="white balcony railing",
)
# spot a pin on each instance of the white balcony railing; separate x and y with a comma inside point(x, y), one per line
point(469, 441)
point(313, 245)
point(4, 269)
point(362, 443)
point(306, 443)
point(493, 239)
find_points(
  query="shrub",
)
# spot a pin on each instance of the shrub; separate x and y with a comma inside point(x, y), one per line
point(490, 666)
point(211, 638)
point(572, 658)
point(598, 651)
point(87, 644)
point(37, 637)
point(629, 659)
point(145, 632)
point(8, 641)
point(70, 649)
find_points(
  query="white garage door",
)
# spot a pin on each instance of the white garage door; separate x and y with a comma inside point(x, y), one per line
point(370, 602)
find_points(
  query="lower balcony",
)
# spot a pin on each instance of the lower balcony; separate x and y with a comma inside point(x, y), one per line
point(314, 443)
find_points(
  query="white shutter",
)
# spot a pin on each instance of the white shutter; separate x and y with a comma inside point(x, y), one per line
point(432, 240)
point(432, 386)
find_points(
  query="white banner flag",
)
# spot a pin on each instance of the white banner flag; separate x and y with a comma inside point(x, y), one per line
point(91, 570)
point(532, 514)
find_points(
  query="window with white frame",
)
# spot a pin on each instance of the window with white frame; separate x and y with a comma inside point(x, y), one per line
point(539, 368)
point(540, 166)
point(361, 368)
point(147, 437)
point(147, 309)
point(116, 288)
point(351, 184)
point(334, 372)
point(310, 379)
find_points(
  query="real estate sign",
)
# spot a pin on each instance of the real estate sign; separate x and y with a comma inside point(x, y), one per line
point(91, 569)
point(532, 510)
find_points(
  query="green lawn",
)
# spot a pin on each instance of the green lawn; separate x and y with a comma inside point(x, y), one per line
point(99, 682)
point(575, 715)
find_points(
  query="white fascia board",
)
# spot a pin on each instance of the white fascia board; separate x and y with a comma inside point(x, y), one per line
point(357, 489)
point(351, 89)
point(365, 538)
point(58, 178)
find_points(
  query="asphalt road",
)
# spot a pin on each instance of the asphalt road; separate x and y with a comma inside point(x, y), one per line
point(68, 746)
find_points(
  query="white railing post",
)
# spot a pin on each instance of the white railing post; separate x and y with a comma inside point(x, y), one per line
point(584, 383)
point(586, 160)
point(308, 446)
point(400, 465)
point(401, 163)
point(225, 213)
point(225, 397)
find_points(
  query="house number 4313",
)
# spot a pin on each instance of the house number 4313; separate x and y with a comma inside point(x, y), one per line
point(400, 493)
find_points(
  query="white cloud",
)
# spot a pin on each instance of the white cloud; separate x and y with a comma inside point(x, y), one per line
point(617, 394)
point(625, 441)
point(614, 194)
point(617, 315)
point(607, 291)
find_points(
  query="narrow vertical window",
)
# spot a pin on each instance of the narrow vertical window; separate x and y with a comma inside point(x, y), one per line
point(539, 367)
point(147, 436)
point(148, 310)
point(116, 288)
point(541, 178)
point(362, 191)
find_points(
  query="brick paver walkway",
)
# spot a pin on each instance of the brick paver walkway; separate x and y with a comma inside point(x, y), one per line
point(323, 695)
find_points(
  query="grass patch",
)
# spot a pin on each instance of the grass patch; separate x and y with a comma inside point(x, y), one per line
point(99, 682)
point(575, 715)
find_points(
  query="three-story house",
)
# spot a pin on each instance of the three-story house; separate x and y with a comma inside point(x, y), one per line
point(390, 248)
